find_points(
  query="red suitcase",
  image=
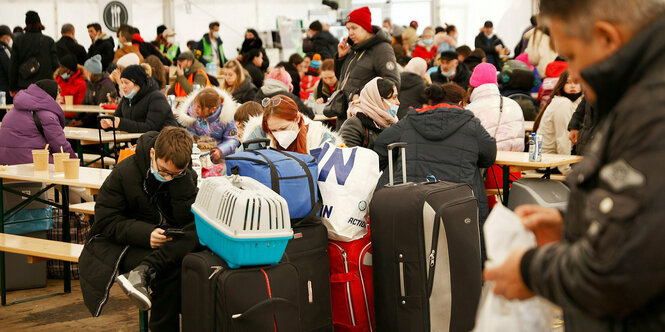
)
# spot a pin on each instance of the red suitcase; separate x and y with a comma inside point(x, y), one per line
point(351, 285)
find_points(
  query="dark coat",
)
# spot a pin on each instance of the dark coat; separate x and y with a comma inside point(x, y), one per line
point(585, 119)
point(488, 45)
point(295, 77)
point(249, 44)
point(95, 94)
point(445, 141)
point(148, 49)
point(130, 205)
point(365, 61)
point(359, 130)
point(256, 74)
point(148, 110)
point(32, 44)
point(67, 45)
point(462, 76)
point(245, 92)
point(411, 94)
point(103, 46)
point(607, 272)
point(4, 70)
point(325, 44)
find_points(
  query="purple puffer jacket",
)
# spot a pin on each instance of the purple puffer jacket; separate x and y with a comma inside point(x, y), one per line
point(19, 134)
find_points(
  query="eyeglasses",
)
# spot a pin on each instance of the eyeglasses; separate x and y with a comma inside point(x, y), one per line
point(173, 175)
point(266, 101)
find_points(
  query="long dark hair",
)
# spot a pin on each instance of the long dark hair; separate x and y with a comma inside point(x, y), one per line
point(558, 91)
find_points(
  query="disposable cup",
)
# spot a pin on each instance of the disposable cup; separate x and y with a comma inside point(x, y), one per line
point(57, 161)
point(40, 159)
point(69, 100)
point(71, 168)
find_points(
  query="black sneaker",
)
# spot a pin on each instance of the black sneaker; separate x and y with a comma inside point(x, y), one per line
point(135, 284)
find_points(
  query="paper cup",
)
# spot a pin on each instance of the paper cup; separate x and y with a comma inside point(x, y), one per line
point(40, 159)
point(71, 168)
point(57, 161)
point(69, 100)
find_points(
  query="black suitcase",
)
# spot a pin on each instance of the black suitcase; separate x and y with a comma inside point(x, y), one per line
point(216, 298)
point(308, 251)
point(426, 245)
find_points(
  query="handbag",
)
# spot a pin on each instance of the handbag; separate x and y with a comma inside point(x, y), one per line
point(338, 102)
point(29, 68)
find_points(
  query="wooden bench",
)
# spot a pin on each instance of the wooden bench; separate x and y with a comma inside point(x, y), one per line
point(89, 157)
point(492, 192)
point(39, 250)
point(87, 208)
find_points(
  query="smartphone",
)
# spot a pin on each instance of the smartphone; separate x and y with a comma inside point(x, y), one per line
point(173, 232)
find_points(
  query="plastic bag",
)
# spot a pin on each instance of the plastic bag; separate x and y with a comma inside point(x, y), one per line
point(503, 234)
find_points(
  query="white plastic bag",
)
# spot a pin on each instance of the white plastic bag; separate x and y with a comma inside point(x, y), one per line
point(347, 178)
point(503, 234)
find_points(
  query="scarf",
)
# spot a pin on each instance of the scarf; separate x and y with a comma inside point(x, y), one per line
point(370, 103)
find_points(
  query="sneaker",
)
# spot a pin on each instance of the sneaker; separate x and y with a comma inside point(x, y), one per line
point(135, 284)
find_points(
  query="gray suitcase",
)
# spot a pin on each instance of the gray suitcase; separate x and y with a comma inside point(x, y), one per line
point(543, 192)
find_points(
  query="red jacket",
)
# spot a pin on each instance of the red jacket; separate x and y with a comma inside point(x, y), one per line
point(421, 52)
point(74, 86)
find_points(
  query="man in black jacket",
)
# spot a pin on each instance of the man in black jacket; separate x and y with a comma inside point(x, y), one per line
point(602, 262)
point(68, 45)
point(30, 51)
point(5, 55)
point(451, 70)
point(102, 44)
point(491, 44)
point(323, 42)
point(145, 195)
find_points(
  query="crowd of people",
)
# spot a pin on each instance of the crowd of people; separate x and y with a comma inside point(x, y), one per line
point(454, 105)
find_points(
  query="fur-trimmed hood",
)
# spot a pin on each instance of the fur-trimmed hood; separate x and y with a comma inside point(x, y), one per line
point(316, 135)
point(228, 108)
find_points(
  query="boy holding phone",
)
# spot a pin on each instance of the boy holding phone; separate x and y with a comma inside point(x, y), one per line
point(144, 227)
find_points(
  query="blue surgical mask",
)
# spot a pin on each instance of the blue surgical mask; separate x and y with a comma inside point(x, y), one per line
point(428, 41)
point(392, 110)
point(449, 74)
point(156, 174)
point(65, 76)
point(131, 94)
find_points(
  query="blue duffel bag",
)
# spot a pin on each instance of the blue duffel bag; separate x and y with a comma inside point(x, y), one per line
point(291, 175)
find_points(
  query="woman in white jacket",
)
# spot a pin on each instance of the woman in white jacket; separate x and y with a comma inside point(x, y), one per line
point(540, 49)
point(502, 117)
point(552, 123)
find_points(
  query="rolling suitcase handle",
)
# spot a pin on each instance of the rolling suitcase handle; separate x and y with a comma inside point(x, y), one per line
point(259, 141)
point(402, 146)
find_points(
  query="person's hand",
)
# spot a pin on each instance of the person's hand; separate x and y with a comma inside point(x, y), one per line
point(545, 223)
point(178, 70)
point(573, 135)
point(115, 76)
point(355, 97)
point(428, 79)
point(157, 238)
point(320, 101)
point(343, 49)
point(75, 123)
point(215, 155)
point(107, 123)
point(508, 279)
point(13, 93)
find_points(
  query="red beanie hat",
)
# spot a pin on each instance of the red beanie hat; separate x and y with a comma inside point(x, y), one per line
point(362, 17)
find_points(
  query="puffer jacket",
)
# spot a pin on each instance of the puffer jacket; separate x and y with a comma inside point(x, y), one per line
point(130, 205)
point(444, 140)
point(317, 133)
point(607, 272)
point(19, 134)
point(148, 110)
point(485, 106)
point(365, 61)
point(245, 92)
point(220, 125)
point(359, 130)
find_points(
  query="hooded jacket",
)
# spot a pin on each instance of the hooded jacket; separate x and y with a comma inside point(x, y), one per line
point(182, 80)
point(148, 110)
point(74, 86)
point(411, 93)
point(102, 45)
point(19, 134)
point(325, 44)
point(28, 45)
point(365, 61)
point(485, 104)
point(219, 125)
point(446, 141)
point(245, 92)
point(273, 87)
point(97, 91)
point(606, 274)
point(130, 205)
point(317, 133)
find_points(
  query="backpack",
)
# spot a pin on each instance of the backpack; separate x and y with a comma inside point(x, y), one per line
point(527, 105)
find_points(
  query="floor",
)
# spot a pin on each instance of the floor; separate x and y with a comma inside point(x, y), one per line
point(66, 312)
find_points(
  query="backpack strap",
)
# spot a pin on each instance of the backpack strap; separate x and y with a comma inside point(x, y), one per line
point(38, 123)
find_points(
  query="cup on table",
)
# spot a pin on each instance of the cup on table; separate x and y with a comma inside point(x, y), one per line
point(40, 159)
point(71, 168)
point(57, 161)
point(69, 100)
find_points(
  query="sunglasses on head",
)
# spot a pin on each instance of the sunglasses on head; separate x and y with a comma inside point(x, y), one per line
point(267, 101)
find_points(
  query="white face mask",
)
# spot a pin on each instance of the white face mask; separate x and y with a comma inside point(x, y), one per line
point(215, 34)
point(285, 137)
point(11, 42)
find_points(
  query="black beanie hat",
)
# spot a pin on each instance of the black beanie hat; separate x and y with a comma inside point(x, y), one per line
point(49, 86)
point(136, 74)
point(31, 17)
point(161, 29)
point(69, 62)
point(316, 26)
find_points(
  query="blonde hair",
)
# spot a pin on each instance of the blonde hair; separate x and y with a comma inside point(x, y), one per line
point(240, 73)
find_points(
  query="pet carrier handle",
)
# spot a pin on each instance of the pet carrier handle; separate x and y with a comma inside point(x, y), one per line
point(258, 140)
point(402, 146)
point(99, 131)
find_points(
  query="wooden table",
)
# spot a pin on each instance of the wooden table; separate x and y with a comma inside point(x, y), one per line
point(519, 161)
point(90, 136)
point(74, 109)
point(89, 178)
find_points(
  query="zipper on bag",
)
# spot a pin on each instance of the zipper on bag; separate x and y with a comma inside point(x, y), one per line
point(348, 283)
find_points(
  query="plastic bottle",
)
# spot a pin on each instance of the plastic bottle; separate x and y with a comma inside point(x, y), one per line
point(310, 100)
point(196, 161)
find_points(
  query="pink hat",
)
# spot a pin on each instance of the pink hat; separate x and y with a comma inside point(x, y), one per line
point(484, 73)
point(525, 58)
point(280, 74)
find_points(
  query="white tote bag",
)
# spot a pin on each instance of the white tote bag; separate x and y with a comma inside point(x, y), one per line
point(347, 178)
